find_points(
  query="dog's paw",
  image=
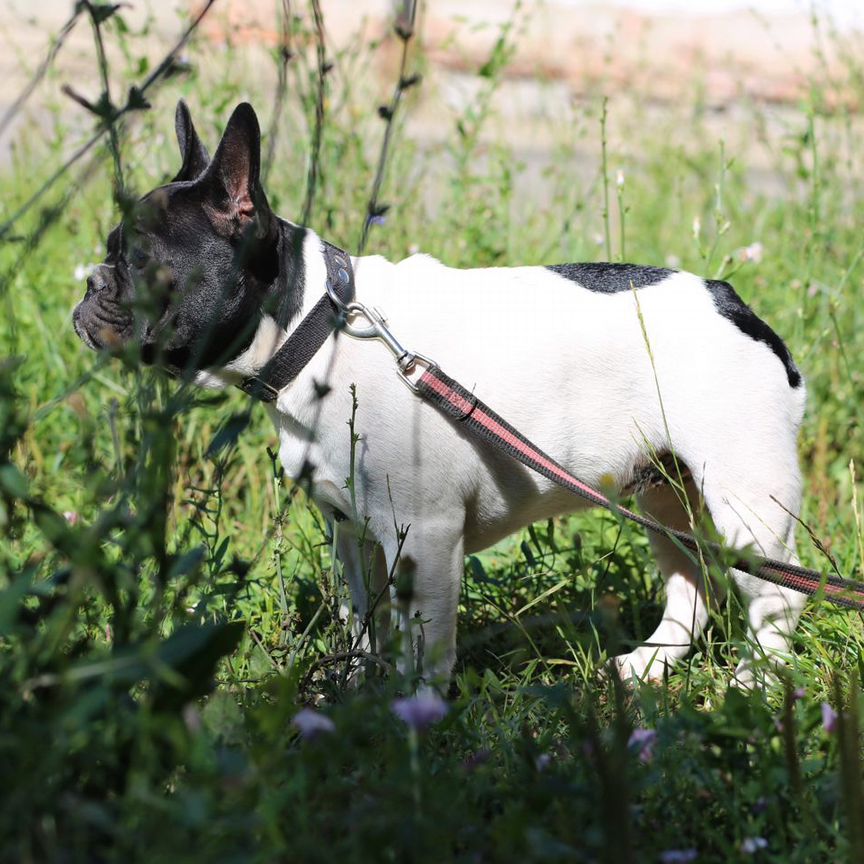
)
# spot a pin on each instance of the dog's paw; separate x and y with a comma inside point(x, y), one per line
point(639, 667)
point(752, 675)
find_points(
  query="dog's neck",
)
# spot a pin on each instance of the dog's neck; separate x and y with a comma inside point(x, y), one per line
point(287, 300)
point(296, 249)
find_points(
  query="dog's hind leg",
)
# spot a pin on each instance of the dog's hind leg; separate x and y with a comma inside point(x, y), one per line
point(686, 610)
point(748, 517)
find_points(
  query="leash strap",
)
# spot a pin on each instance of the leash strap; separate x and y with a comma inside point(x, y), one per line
point(464, 407)
point(310, 334)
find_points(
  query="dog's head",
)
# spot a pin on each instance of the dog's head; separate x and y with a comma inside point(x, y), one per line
point(188, 266)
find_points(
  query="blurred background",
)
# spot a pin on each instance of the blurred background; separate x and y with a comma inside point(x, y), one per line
point(722, 56)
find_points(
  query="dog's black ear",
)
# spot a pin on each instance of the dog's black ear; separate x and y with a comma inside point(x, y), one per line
point(237, 201)
point(193, 153)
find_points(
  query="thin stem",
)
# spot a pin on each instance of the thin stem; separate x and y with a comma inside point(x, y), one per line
point(387, 113)
point(621, 215)
point(607, 234)
point(285, 55)
point(135, 102)
point(318, 130)
point(106, 102)
point(40, 73)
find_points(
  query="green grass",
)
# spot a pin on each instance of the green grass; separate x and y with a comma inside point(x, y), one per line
point(155, 648)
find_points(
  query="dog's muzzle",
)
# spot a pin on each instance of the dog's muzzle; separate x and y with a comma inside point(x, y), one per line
point(99, 319)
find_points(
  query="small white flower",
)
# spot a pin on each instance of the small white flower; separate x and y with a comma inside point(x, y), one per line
point(751, 845)
point(619, 178)
point(71, 517)
point(311, 723)
point(751, 253)
point(420, 711)
point(82, 271)
point(598, 239)
point(697, 227)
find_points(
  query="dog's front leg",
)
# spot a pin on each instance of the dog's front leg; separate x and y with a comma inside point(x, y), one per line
point(429, 569)
point(365, 572)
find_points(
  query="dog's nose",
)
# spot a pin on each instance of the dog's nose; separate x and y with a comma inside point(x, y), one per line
point(100, 280)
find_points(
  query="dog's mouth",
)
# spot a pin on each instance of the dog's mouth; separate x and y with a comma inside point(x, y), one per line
point(172, 360)
point(102, 328)
point(84, 336)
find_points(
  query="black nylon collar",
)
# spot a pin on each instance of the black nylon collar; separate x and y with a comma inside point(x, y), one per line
point(309, 335)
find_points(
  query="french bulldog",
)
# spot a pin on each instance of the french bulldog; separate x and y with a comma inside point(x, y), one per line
point(608, 367)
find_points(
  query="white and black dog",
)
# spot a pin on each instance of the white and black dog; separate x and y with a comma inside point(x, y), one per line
point(562, 352)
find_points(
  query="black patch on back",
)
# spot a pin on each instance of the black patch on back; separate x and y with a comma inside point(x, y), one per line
point(607, 278)
point(733, 308)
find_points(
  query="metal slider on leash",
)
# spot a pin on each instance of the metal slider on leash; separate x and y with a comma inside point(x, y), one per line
point(406, 361)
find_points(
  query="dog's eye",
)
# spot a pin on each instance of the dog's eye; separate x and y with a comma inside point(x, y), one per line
point(139, 258)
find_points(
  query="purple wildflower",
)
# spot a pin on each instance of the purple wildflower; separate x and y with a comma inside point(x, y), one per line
point(543, 761)
point(475, 760)
point(829, 718)
point(642, 742)
point(752, 845)
point(798, 694)
point(678, 856)
point(192, 718)
point(311, 723)
point(421, 711)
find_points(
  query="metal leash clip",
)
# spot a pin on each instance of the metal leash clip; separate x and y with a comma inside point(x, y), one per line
point(406, 361)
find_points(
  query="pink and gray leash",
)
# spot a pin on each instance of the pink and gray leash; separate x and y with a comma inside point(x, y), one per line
point(470, 413)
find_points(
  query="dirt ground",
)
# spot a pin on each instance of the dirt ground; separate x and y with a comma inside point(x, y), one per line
point(567, 55)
